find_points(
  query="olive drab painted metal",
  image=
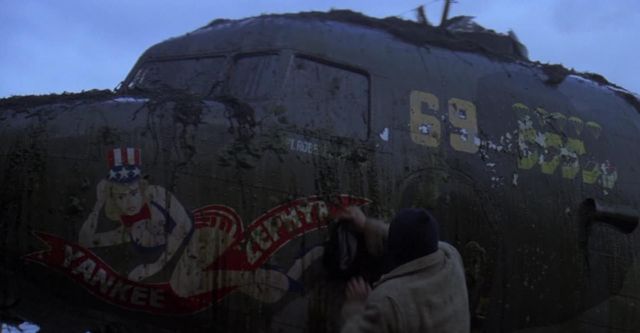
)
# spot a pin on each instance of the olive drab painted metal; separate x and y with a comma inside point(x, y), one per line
point(200, 195)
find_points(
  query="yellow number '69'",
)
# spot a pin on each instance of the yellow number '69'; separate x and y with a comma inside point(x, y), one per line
point(426, 128)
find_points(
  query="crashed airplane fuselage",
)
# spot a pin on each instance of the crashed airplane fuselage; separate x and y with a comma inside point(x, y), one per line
point(200, 194)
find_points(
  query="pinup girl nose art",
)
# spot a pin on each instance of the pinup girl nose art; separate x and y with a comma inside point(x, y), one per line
point(181, 261)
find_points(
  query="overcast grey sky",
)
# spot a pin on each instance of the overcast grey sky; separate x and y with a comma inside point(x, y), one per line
point(74, 45)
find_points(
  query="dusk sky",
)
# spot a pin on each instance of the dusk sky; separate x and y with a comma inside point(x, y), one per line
point(73, 45)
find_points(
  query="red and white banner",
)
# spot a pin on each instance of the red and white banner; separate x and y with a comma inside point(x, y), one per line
point(250, 249)
point(268, 233)
point(88, 270)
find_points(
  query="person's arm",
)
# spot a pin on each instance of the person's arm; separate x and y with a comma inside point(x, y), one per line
point(356, 293)
point(174, 239)
point(375, 231)
point(379, 317)
point(88, 237)
point(375, 236)
point(362, 313)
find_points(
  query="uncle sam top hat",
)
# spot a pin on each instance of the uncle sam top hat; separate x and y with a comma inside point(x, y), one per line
point(124, 164)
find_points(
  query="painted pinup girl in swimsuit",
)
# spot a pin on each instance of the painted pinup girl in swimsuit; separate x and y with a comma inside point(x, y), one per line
point(152, 220)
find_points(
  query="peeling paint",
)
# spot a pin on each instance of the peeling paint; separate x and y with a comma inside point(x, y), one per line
point(464, 135)
point(425, 128)
point(384, 135)
point(560, 149)
point(541, 140)
point(497, 181)
point(492, 146)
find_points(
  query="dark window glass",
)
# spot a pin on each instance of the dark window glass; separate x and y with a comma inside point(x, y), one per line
point(319, 96)
point(254, 77)
point(196, 76)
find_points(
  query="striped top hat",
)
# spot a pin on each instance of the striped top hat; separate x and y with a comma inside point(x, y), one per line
point(124, 164)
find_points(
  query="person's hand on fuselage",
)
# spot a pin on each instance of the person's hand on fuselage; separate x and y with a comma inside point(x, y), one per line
point(357, 290)
point(353, 216)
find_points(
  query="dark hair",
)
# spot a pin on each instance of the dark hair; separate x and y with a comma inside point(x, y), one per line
point(413, 233)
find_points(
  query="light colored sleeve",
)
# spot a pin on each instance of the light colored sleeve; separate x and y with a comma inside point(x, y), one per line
point(381, 316)
point(375, 236)
point(452, 253)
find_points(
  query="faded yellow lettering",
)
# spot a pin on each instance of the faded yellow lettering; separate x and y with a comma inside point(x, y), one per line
point(462, 115)
point(591, 173)
point(528, 154)
point(594, 129)
point(528, 160)
point(571, 166)
point(577, 123)
point(425, 129)
point(519, 107)
point(551, 140)
point(543, 116)
point(558, 121)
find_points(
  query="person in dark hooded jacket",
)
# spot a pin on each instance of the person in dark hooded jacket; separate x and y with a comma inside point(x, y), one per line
point(425, 291)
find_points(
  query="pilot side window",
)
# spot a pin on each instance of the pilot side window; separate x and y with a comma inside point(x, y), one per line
point(196, 76)
point(326, 98)
point(254, 77)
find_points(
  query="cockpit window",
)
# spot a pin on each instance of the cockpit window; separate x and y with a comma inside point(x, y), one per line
point(197, 76)
point(254, 76)
point(320, 95)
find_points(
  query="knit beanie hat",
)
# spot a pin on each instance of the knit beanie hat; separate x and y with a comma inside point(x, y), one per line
point(413, 233)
